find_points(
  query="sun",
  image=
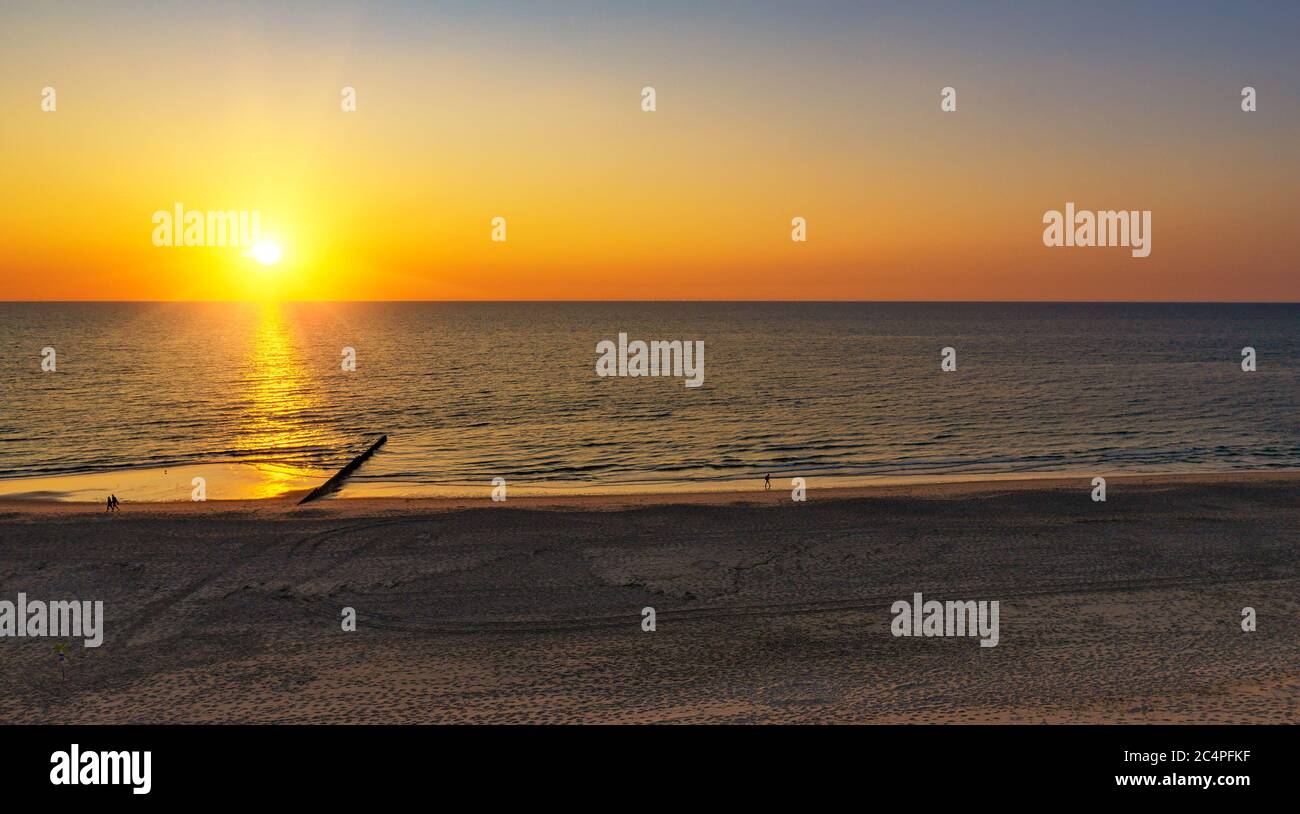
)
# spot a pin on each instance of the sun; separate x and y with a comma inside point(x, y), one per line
point(266, 252)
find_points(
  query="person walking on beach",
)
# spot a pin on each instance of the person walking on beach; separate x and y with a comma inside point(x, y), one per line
point(116, 507)
point(108, 504)
point(767, 481)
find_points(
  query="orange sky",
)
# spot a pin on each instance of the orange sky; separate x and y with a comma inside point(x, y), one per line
point(759, 120)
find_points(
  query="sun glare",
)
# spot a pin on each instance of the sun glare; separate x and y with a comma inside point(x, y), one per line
point(266, 252)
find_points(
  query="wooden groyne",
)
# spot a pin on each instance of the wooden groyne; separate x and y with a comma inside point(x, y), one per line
point(342, 475)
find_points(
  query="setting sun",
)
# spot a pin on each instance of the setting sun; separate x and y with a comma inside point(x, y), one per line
point(266, 252)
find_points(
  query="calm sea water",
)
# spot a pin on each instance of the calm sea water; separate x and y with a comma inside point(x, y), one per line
point(468, 392)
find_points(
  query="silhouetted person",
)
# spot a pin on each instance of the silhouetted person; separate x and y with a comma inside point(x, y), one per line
point(108, 504)
point(116, 506)
point(767, 481)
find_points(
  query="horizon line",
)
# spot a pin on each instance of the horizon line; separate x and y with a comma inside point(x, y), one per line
point(642, 301)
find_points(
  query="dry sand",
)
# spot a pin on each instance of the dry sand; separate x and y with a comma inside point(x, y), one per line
point(768, 611)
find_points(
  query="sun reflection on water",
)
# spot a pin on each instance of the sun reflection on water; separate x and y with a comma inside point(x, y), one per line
point(277, 395)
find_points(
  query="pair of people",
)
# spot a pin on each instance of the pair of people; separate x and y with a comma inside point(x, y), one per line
point(113, 504)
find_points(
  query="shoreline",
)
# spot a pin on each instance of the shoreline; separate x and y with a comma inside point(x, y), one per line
point(722, 493)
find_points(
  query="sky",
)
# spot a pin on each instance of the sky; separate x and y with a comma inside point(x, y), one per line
point(532, 112)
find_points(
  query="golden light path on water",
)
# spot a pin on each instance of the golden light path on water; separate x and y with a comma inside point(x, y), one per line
point(278, 392)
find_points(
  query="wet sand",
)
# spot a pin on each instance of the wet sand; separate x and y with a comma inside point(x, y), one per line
point(767, 610)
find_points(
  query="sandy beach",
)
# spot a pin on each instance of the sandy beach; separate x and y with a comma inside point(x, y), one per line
point(766, 610)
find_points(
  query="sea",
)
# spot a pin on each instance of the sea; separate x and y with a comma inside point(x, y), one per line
point(470, 392)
